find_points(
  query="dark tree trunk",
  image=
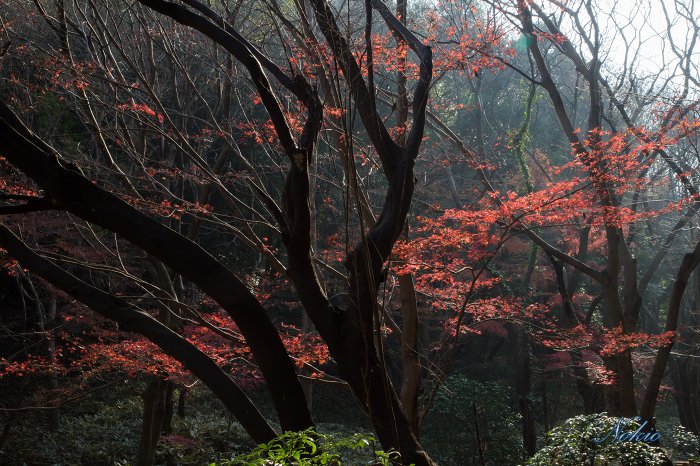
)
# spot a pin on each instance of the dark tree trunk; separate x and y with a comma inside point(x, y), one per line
point(688, 264)
point(619, 397)
point(181, 402)
point(685, 376)
point(520, 361)
point(169, 409)
point(153, 416)
point(350, 333)
point(172, 344)
point(545, 407)
point(67, 189)
point(593, 395)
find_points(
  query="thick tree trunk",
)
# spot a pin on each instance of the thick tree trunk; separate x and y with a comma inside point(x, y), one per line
point(619, 397)
point(66, 188)
point(172, 344)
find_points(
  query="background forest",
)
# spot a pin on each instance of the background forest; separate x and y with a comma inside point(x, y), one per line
point(451, 226)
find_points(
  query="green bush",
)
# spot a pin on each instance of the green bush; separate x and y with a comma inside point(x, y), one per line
point(572, 444)
point(310, 448)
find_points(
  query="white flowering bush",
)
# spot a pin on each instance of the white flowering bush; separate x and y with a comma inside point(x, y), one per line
point(577, 443)
point(684, 444)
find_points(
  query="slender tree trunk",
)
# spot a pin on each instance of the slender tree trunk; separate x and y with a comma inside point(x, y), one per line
point(181, 402)
point(520, 361)
point(307, 383)
point(545, 407)
point(169, 408)
point(688, 265)
point(157, 398)
point(45, 317)
point(154, 401)
point(411, 369)
point(54, 414)
point(685, 376)
point(411, 376)
point(591, 394)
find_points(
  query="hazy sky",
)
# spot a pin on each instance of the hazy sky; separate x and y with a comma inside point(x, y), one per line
point(647, 30)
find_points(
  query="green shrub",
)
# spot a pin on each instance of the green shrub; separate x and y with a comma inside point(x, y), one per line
point(310, 448)
point(572, 444)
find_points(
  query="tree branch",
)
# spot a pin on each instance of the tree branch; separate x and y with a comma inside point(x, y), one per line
point(172, 344)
